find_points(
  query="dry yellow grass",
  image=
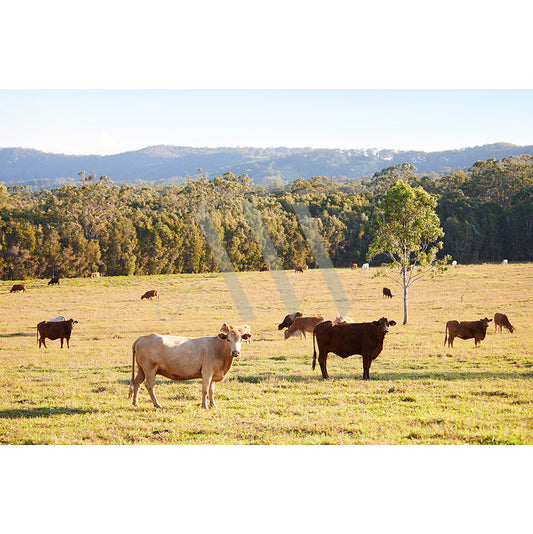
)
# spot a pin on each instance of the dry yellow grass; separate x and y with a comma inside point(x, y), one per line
point(419, 392)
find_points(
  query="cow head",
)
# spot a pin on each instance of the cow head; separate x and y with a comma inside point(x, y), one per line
point(384, 324)
point(234, 338)
point(485, 323)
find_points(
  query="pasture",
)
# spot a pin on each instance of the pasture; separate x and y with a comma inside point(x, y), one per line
point(420, 392)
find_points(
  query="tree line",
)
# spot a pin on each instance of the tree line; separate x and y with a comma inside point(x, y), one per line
point(486, 214)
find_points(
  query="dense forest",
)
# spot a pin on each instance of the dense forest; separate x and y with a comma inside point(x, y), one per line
point(486, 214)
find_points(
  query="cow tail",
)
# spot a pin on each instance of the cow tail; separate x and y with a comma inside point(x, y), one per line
point(446, 334)
point(314, 351)
point(130, 393)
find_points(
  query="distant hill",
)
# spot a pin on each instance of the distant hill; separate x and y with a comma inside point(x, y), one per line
point(170, 164)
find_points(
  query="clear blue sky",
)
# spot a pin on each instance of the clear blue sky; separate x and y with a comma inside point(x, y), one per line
point(109, 121)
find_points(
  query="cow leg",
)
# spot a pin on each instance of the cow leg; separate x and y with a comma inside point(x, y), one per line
point(367, 360)
point(303, 332)
point(44, 344)
point(68, 345)
point(212, 394)
point(149, 384)
point(61, 342)
point(139, 379)
point(322, 360)
point(207, 379)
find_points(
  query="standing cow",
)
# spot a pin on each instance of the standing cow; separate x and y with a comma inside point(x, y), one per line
point(184, 358)
point(387, 293)
point(54, 281)
point(500, 319)
point(346, 339)
point(54, 330)
point(301, 325)
point(466, 330)
point(18, 287)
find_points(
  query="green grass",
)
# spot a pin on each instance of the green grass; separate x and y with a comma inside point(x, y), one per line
point(420, 392)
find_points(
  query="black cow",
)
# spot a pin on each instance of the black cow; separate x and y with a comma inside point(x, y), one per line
point(55, 280)
point(346, 339)
point(387, 293)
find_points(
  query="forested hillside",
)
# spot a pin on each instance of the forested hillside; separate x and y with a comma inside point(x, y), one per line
point(171, 164)
point(94, 225)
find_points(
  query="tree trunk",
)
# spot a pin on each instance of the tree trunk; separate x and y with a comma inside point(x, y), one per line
point(405, 301)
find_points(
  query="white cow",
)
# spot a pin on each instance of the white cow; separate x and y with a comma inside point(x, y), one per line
point(57, 319)
point(365, 266)
point(243, 329)
point(344, 319)
point(183, 358)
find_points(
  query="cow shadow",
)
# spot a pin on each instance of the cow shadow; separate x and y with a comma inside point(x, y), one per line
point(30, 413)
point(17, 334)
point(444, 376)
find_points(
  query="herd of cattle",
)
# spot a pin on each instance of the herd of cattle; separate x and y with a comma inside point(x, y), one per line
point(211, 357)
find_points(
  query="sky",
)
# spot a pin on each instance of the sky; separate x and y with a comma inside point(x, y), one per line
point(108, 121)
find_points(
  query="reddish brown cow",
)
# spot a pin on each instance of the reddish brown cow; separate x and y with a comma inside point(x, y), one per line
point(150, 294)
point(298, 269)
point(265, 268)
point(346, 339)
point(387, 293)
point(354, 266)
point(54, 330)
point(500, 319)
point(466, 330)
point(301, 325)
point(18, 287)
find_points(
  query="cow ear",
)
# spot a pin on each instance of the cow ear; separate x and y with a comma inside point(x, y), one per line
point(222, 336)
point(246, 336)
point(392, 323)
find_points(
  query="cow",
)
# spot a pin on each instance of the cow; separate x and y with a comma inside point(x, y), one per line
point(265, 268)
point(298, 269)
point(387, 293)
point(55, 280)
point(57, 319)
point(303, 325)
point(150, 294)
point(54, 330)
point(354, 266)
point(183, 358)
point(365, 266)
point(454, 263)
point(346, 339)
point(500, 319)
point(289, 319)
point(344, 319)
point(18, 287)
point(242, 329)
point(466, 330)
point(505, 262)
point(94, 276)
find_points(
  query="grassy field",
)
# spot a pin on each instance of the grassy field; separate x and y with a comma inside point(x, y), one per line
point(420, 392)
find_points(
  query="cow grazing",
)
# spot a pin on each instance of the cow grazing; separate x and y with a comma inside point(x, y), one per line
point(365, 266)
point(505, 262)
point(242, 329)
point(346, 339)
point(18, 287)
point(265, 268)
point(303, 325)
point(500, 319)
point(95, 276)
point(387, 293)
point(54, 281)
point(289, 319)
point(298, 269)
point(454, 263)
point(57, 319)
point(54, 330)
point(183, 358)
point(150, 294)
point(466, 330)
point(354, 266)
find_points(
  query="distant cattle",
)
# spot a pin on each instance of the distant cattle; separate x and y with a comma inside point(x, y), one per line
point(265, 268)
point(505, 262)
point(150, 294)
point(454, 263)
point(500, 319)
point(303, 325)
point(346, 339)
point(55, 280)
point(384, 264)
point(298, 269)
point(354, 266)
point(183, 358)
point(18, 287)
point(466, 330)
point(95, 275)
point(365, 266)
point(54, 330)
point(387, 293)
point(289, 319)
point(344, 319)
point(242, 329)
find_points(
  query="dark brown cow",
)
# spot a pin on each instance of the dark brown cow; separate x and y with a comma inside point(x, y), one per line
point(265, 268)
point(55, 280)
point(289, 319)
point(298, 269)
point(500, 319)
point(18, 287)
point(346, 339)
point(150, 294)
point(387, 293)
point(54, 330)
point(466, 330)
